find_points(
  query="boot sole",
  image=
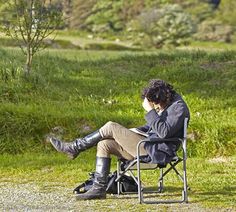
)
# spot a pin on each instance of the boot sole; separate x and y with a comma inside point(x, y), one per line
point(81, 197)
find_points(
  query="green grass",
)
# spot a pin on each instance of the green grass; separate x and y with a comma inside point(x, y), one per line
point(82, 90)
point(211, 46)
point(211, 181)
point(65, 42)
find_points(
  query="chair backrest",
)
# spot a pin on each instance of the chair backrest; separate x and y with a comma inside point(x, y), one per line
point(183, 146)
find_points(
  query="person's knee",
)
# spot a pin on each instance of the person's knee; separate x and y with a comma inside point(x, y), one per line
point(108, 130)
point(104, 146)
point(111, 125)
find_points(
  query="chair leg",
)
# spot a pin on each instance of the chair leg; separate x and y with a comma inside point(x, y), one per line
point(140, 190)
point(118, 174)
point(161, 182)
point(185, 190)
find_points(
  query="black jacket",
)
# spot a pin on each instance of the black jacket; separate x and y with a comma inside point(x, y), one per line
point(169, 124)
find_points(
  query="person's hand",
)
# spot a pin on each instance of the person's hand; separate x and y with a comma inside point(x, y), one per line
point(147, 105)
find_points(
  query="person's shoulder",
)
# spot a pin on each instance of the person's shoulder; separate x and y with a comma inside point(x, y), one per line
point(177, 98)
point(178, 102)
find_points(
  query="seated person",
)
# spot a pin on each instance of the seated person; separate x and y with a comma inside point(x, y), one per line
point(166, 111)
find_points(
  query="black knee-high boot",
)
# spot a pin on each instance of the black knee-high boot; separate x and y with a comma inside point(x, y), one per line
point(98, 190)
point(72, 149)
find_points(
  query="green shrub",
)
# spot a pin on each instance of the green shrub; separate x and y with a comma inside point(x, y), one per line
point(214, 31)
point(169, 25)
point(106, 15)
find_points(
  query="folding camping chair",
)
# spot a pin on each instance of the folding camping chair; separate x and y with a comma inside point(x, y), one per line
point(137, 165)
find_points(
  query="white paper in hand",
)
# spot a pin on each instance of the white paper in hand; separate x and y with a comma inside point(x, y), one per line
point(139, 132)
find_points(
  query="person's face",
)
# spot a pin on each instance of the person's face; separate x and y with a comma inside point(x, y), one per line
point(156, 106)
point(159, 106)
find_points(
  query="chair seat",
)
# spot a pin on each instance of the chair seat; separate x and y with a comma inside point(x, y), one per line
point(132, 164)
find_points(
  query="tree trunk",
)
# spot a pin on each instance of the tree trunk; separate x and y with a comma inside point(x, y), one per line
point(28, 62)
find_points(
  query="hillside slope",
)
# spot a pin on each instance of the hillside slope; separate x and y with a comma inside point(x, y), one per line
point(79, 91)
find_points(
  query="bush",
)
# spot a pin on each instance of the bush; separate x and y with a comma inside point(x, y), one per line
point(214, 31)
point(168, 25)
point(106, 15)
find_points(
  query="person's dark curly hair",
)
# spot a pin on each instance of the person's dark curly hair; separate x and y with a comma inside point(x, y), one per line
point(158, 91)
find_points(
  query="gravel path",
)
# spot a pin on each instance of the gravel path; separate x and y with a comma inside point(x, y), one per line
point(30, 197)
point(51, 197)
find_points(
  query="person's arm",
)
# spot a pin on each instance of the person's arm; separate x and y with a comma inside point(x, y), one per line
point(167, 126)
point(147, 106)
point(144, 128)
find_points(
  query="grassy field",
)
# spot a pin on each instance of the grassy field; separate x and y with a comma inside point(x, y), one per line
point(78, 91)
point(46, 181)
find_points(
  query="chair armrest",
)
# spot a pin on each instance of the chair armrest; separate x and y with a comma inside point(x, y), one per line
point(138, 145)
point(159, 140)
point(155, 140)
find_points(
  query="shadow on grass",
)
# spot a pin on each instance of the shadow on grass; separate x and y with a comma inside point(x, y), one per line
point(227, 194)
point(152, 192)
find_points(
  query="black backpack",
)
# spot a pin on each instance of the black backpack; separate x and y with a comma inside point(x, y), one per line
point(128, 184)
